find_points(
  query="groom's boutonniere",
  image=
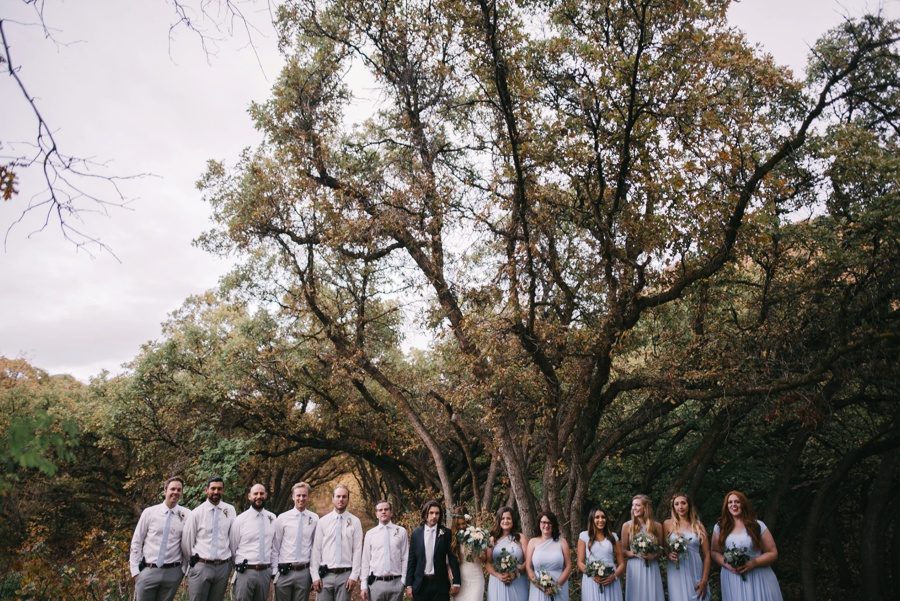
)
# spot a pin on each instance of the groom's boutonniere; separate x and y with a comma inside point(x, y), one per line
point(440, 532)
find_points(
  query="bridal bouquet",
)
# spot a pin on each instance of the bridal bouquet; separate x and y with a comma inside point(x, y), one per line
point(599, 569)
point(506, 563)
point(474, 539)
point(736, 557)
point(678, 544)
point(546, 582)
point(643, 545)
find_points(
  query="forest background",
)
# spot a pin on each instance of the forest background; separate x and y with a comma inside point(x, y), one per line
point(649, 258)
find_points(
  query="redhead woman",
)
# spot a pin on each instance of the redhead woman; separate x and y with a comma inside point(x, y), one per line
point(507, 536)
point(643, 581)
point(739, 529)
point(687, 573)
point(598, 543)
point(548, 553)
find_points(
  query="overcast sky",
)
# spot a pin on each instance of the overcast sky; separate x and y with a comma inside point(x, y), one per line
point(122, 91)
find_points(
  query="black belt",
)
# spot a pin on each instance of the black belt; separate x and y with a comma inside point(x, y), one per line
point(164, 566)
point(429, 576)
point(258, 568)
point(337, 570)
point(213, 562)
point(297, 566)
point(386, 578)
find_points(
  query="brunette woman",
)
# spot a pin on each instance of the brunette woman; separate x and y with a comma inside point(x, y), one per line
point(507, 536)
point(598, 543)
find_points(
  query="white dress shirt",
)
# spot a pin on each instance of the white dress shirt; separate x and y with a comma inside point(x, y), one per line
point(324, 547)
point(244, 537)
point(148, 536)
point(198, 531)
point(373, 556)
point(284, 549)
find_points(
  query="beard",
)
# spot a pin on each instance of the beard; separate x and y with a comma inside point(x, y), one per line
point(258, 504)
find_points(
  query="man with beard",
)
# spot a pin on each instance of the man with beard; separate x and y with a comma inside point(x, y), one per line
point(337, 551)
point(251, 547)
point(429, 555)
point(205, 541)
point(295, 530)
point(156, 557)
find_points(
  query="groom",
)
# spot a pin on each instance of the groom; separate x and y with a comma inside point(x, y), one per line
point(429, 555)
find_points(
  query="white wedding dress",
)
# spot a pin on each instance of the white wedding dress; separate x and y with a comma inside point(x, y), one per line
point(472, 586)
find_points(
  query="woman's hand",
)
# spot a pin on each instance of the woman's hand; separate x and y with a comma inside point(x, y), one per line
point(673, 557)
point(746, 567)
point(606, 581)
point(700, 589)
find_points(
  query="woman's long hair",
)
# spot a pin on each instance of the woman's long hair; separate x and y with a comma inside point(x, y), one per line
point(693, 520)
point(607, 531)
point(458, 513)
point(497, 531)
point(646, 519)
point(748, 516)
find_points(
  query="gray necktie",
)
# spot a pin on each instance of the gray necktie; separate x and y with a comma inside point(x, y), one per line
point(429, 550)
point(165, 540)
point(339, 542)
point(214, 545)
point(299, 536)
point(262, 537)
point(386, 566)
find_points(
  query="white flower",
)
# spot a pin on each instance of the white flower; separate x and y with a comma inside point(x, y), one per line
point(467, 517)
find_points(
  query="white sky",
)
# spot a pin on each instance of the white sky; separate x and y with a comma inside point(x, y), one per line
point(123, 94)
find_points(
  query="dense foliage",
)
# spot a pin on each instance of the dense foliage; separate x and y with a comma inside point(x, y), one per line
point(649, 261)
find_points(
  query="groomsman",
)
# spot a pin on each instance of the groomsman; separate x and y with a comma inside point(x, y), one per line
point(337, 550)
point(384, 557)
point(429, 556)
point(156, 559)
point(206, 544)
point(295, 530)
point(251, 547)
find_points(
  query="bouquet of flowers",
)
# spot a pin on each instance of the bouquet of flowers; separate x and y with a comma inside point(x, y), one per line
point(678, 544)
point(545, 581)
point(599, 569)
point(643, 545)
point(506, 563)
point(474, 539)
point(736, 557)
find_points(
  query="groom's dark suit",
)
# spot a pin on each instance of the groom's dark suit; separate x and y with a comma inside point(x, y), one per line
point(436, 588)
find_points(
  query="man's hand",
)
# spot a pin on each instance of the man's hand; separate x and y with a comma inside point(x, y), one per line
point(409, 591)
point(454, 590)
point(365, 594)
point(317, 586)
point(351, 584)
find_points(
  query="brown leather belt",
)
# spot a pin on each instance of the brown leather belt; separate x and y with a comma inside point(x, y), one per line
point(299, 566)
point(386, 578)
point(213, 562)
point(258, 568)
point(337, 570)
point(164, 566)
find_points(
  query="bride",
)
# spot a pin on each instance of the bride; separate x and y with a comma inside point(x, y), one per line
point(471, 565)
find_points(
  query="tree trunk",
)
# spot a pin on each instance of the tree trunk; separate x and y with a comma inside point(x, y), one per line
point(872, 543)
point(773, 502)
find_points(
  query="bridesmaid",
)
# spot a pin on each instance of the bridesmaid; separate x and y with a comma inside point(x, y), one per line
point(506, 535)
point(598, 543)
point(550, 553)
point(738, 527)
point(690, 579)
point(643, 581)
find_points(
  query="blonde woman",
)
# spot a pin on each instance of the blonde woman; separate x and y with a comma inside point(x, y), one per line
point(688, 573)
point(643, 581)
